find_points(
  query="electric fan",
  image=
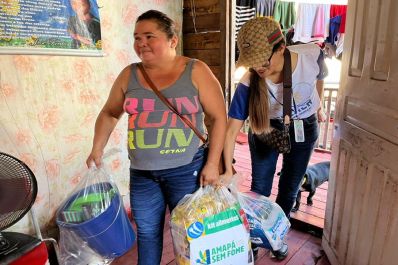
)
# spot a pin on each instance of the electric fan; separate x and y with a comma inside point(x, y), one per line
point(18, 190)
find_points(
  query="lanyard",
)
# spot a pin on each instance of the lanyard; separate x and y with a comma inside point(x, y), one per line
point(294, 102)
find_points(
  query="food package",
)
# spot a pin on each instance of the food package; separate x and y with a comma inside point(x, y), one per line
point(210, 227)
point(268, 223)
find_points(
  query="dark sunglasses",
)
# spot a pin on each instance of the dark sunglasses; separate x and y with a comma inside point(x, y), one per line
point(268, 62)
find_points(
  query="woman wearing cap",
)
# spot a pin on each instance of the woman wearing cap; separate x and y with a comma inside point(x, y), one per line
point(259, 96)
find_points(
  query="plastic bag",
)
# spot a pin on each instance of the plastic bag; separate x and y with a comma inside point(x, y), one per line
point(209, 227)
point(94, 227)
point(268, 223)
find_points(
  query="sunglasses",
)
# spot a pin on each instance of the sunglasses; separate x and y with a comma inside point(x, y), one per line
point(268, 62)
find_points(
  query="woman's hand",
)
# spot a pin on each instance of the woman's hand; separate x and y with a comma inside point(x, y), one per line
point(212, 100)
point(226, 178)
point(209, 175)
point(321, 115)
point(95, 158)
point(233, 129)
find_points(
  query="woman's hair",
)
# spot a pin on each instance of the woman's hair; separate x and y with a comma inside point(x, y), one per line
point(259, 100)
point(166, 24)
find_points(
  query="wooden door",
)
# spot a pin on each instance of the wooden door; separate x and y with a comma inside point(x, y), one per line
point(207, 26)
point(361, 223)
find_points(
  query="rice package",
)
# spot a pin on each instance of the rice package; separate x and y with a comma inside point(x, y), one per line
point(268, 223)
point(210, 227)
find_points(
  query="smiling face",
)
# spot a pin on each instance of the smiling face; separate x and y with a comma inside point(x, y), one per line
point(151, 43)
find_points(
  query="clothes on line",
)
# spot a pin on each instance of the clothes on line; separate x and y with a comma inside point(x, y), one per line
point(265, 8)
point(312, 23)
point(319, 23)
point(243, 14)
point(285, 14)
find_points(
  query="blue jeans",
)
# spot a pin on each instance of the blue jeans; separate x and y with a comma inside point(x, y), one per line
point(150, 193)
point(294, 164)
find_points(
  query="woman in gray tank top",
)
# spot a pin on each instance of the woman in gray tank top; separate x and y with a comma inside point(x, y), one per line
point(168, 160)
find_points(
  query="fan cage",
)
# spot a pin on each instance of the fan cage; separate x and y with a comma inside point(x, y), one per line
point(18, 190)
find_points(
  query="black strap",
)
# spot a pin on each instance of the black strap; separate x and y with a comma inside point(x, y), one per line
point(167, 103)
point(287, 87)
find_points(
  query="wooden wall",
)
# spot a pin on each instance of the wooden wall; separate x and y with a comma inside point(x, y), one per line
point(206, 34)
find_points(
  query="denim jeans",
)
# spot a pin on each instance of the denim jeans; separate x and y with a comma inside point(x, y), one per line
point(150, 192)
point(294, 164)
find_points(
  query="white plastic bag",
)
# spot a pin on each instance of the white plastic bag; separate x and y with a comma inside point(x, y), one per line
point(268, 223)
point(75, 251)
point(209, 227)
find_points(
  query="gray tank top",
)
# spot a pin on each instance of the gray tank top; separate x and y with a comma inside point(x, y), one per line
point(158, 138)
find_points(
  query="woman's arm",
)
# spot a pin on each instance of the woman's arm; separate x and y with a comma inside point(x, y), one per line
point(212, 100)
point(320, 113)
point(108, 118)
point(233, 128)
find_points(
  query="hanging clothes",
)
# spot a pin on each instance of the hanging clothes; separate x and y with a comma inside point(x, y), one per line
point(320, 28)
point(248, 3)
point(245, 10)
point(334, 28)
point(312, 23)
point(339, 10)
point(339, 45)
point(285, 14)
point(265, 8)
point(305, 22)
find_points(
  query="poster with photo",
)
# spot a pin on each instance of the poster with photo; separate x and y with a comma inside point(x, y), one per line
point(58, 27)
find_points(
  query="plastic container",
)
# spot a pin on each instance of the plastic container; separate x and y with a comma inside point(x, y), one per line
point(110, 234)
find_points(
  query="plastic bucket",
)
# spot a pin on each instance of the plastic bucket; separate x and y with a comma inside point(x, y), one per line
point(110, 234)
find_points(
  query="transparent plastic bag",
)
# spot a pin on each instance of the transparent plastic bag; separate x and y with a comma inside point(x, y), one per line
point(75, 251)
point(268, 223)
point(94, 227)
point(209, 227)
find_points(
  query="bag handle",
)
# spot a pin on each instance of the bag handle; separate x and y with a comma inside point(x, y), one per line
point(287, 87)
point(167, 103)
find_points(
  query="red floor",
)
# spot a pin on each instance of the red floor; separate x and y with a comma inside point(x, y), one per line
point(304, 248)
point(313, 215)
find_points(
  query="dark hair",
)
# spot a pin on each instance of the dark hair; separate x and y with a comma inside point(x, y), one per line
point(166, 24)
point(259, 100)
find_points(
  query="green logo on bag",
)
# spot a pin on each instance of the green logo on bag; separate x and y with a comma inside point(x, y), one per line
point(204, 257)
point(222, 221)
point(220, 253)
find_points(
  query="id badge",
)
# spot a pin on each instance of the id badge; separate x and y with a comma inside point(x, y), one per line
point(299, 131)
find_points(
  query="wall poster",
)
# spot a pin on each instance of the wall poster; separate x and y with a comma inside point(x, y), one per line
point(58, 27)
